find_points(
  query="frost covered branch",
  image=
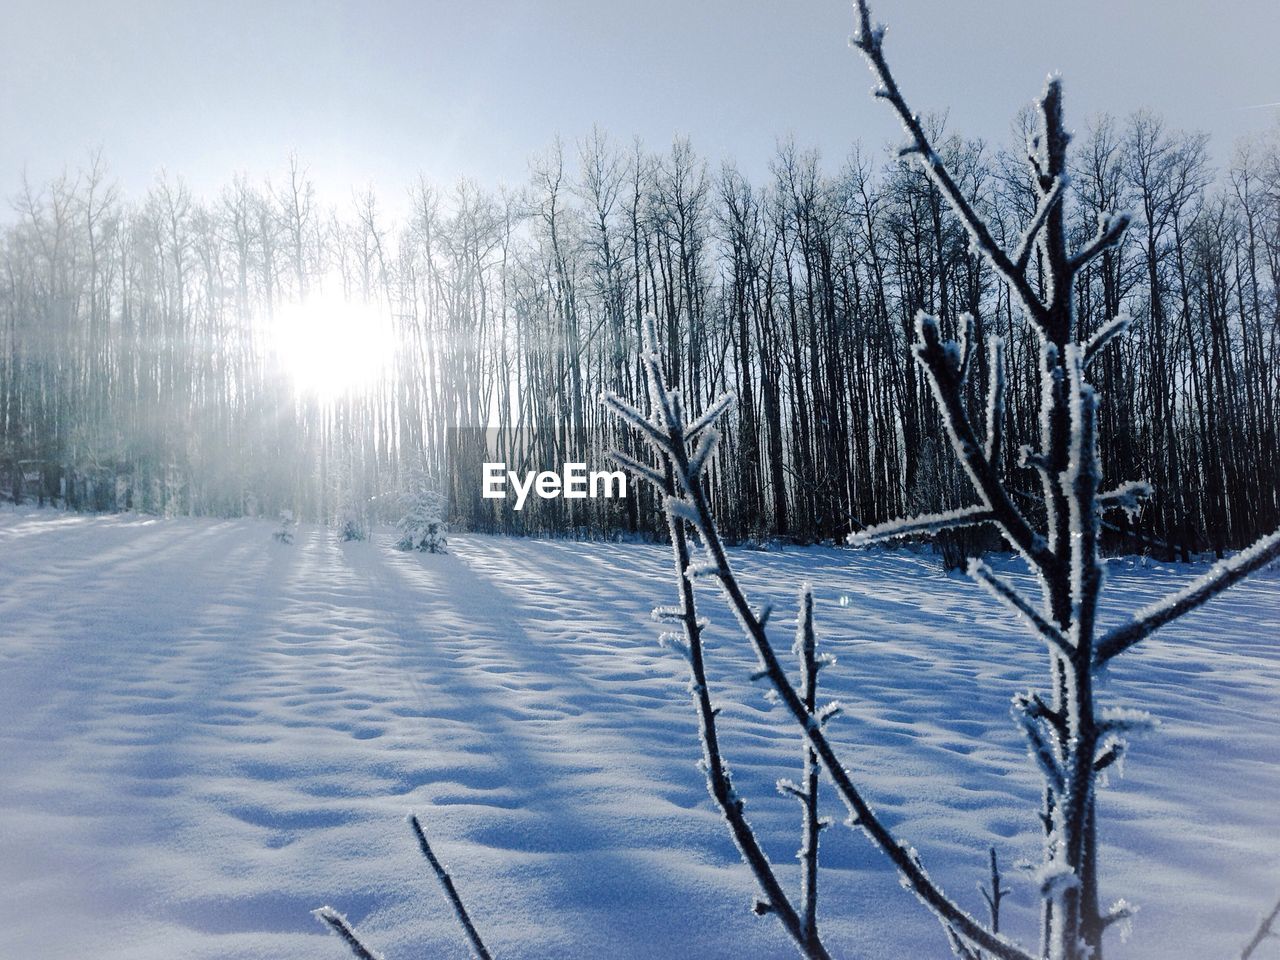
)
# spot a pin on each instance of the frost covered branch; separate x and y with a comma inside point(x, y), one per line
point(938, 358)
point(1117, 326)
point(924, 523)
point(669, 434)
point(806, 651)
point(1128, 497)
point(1068, 738)
point(870, 40)
point(341, 929)
point(1027, 245)
point(665, 433)
point(1019, 604)
point(446, 882)
point(995, 402)
point(1222, 575)
point(1111, 230)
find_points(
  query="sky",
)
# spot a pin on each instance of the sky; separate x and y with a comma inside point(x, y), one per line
point(382, 91)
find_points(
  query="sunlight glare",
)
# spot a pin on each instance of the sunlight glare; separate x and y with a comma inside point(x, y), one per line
point(330, 347)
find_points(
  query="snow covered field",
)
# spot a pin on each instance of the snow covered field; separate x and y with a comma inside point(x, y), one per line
point(205, 734)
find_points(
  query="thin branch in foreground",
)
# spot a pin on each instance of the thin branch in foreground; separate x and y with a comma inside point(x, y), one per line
point(810, 664)
point(694, 509)
point(995, 892)
point(870, 40)
point(673, 446)
point(1128, 497)
point(341, 928)
point(1115, 327)
point(1111, 230)
point(995, 401)
point(719, 781)
point(934, 355)
point(451, 892)
point(1050, 199)
point(1265, 931)
point(1010, 597)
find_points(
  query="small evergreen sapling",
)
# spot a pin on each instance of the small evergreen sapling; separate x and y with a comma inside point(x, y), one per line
point(353, 524)
point(287, 523)
point(423, 527)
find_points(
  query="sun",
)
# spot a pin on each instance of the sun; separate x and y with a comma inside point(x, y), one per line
point(330, 347)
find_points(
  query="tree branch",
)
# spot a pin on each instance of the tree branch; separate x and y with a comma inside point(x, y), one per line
point(1222, 575)
point(806, 651)
point(933, 356)
point(995, 402)
point(715, 769)
point(1117, 326)
point(903, 857)
point(341, 928)
point(870, 40)
point(1111, 228)
point(1012, 599)
point(1263, 932)
point(1051, 198)
point(1128, 497)
point(924, 523)
point(995, 893)
point(450, 891)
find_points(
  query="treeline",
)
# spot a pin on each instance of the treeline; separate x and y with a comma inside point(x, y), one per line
point(137, 369)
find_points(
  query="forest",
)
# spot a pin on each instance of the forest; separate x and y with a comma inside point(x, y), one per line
point(140, 367)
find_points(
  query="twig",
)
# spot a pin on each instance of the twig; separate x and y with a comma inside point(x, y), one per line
point(934, 357)
point(1019, 604)
point(1111, 230)
point(902, 856)
point(719, 781)
point(924, 523)
point(995, 402)
point(806, 645)
point(870, 41)
point(995, 893)
point(669, 443)
point(1115, 327)
point(1050, 199)
point(1263, 932)
point(341, 928)
point(1128, 497)
point(451, 892)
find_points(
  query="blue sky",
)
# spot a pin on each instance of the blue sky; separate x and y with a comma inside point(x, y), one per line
point(382, 91)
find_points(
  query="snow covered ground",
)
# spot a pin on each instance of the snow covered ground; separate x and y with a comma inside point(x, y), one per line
point(205, 734)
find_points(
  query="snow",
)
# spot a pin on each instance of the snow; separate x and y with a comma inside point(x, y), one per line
point(205, 735)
